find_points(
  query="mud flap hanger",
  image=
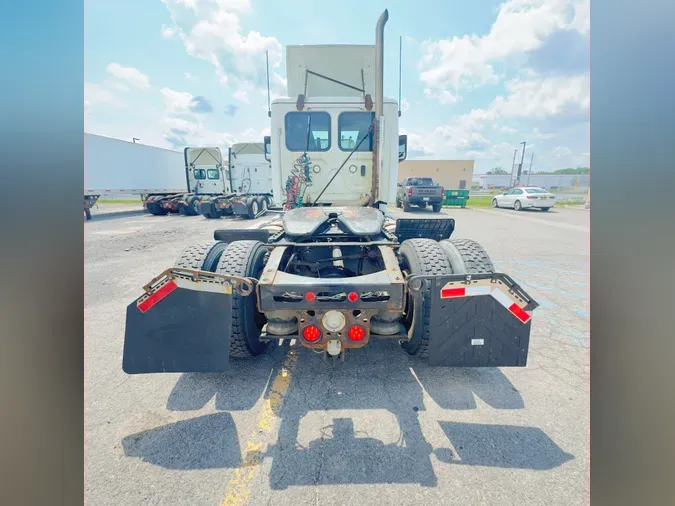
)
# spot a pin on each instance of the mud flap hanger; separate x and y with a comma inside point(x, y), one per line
point(416, 284)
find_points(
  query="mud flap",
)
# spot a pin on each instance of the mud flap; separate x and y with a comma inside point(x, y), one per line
point(484, 321)
point(181, 325)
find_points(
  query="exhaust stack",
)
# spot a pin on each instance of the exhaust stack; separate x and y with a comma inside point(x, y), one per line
point(379, 101)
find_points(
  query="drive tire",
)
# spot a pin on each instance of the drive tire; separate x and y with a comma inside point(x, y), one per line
point(426, 257)
point(517, 205)
point(203, 256)
point(467, 257)
point(253, 206)
point(246, 259)
point(406, 207)
point(262, 201)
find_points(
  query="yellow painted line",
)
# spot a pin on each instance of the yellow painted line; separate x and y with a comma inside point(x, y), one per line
point(239, 488)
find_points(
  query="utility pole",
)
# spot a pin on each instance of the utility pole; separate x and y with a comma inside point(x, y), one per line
point(513, 166)
point(529, 172)
point(520, 167)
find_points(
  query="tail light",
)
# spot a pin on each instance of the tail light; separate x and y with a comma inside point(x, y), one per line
point(311, 333)
point(356, 333)
point(442, 191)
point(410, 192)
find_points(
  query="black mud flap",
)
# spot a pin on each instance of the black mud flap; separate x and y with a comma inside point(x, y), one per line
point(437, 229)
point(481, 322)
point(181, 326)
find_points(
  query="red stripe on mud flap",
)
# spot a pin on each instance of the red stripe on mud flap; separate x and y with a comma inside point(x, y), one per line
point(519, 313)
point(448, 293)
point(160, 294)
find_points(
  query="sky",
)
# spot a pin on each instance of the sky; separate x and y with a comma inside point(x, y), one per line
point(478, 78)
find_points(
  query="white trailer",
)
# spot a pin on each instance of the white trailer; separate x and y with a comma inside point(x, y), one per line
point(117, 167)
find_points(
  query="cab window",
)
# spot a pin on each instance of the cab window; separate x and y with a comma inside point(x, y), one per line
point(200, 174)
point(307, 131)
point(352, 127)
point(213, 174)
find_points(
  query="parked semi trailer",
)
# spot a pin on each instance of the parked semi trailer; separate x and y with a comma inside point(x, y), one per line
point(249, 193)
point(335, 270)
point(117, 167)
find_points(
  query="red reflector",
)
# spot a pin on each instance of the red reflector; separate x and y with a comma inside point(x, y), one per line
point(409, 191)
point(356, 333)
point(519, 313)
point(447, 293)
point(157, 296)
point(353, 297)
point(311, 333)
point(310, 296)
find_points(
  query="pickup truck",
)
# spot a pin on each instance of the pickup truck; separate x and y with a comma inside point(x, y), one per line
point(419, 191)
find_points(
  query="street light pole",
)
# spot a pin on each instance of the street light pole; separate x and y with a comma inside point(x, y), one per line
point(513, 166)
point(520, 167)
point(529, 172)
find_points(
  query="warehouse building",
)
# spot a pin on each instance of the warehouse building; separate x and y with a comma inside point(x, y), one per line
point(450, 174)
point(548, 181)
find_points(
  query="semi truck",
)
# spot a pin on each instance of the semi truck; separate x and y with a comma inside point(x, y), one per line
point(113, 167)
point(336, 270)
point(249, 192)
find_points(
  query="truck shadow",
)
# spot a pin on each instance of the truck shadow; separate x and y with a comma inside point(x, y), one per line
point(205, 442)
point(352, 422)
point(116, 215)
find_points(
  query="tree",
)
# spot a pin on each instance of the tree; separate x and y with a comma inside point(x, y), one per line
point(497, 170)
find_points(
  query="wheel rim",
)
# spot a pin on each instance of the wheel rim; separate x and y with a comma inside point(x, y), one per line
point(254, 208)
point(517, 206)
point(494, 202)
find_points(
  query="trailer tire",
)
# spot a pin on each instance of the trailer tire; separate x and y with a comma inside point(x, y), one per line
point(155, 208)
point(203, 256)
point(426, 257)
point(244, 258)
point(467, 256)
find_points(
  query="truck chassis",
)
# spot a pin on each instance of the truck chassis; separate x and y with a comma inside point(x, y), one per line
point(331, 279)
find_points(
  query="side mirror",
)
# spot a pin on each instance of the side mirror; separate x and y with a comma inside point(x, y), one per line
point(402, 147)
point(268, 148)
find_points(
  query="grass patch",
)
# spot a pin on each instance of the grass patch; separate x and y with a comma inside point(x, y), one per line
point(480, 201)
point(113, 201)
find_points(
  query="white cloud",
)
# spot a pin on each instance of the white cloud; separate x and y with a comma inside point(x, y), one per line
point(507, 130)
point(538, 134)
point(96, 94)
point(168, 31)
point(176, 101)
point(561, 151)
point(190, 77)
point(545, 97)
point(241, 96)
point(211, 30)
point(521, 26)
point(405, 105)
point(443, 96)
point(129, 74)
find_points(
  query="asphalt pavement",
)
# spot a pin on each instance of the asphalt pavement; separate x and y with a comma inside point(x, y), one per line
point(289, 428)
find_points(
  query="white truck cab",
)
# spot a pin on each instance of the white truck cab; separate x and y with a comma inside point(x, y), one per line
point(204, 171)
point(325, 126)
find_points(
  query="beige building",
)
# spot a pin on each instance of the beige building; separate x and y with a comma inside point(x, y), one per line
point(450, 174)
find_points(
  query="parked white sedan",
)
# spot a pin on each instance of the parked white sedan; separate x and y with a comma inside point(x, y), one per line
point(525, 198)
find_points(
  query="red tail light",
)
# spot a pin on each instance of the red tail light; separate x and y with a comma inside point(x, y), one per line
point(442, 191)
point(410, 191)
point(356, 333)
point(311, 333)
